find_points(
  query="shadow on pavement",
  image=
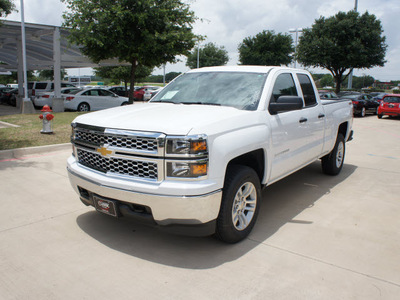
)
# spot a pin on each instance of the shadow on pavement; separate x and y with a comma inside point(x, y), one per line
point(282, 202)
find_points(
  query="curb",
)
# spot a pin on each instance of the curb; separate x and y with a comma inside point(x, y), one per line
point(19, 152)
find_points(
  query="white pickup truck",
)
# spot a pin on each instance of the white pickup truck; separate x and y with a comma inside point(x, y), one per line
point(194, 159)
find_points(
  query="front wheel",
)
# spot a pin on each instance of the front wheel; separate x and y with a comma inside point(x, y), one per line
point(380, 116)
point(333, 162)
point(240, 204)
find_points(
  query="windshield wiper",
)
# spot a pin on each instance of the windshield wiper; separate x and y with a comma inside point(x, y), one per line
point(164, 101)
point(200, 103)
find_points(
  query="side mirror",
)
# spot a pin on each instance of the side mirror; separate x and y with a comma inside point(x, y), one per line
point(285, 103)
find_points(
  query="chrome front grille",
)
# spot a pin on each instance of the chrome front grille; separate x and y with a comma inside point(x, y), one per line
point(136, 155)
point(101, 138)
point(128, 167)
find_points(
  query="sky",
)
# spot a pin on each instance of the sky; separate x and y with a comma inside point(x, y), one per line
point(228, 22)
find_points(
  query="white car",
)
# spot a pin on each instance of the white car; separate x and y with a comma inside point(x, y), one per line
point(149, 92)
point(46, 98)
point(93, 99)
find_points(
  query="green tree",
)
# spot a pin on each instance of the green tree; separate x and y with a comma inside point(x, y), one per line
point(342, 43)
point(49, 74)
point(209, 55)
point(171, 76)
point(146, 32)
point(6, 7)
point(266, 48)
point(327, 80)
point(122, 73)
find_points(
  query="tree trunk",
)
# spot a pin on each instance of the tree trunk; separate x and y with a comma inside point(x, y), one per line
point(338, 81)
point(126, 88)
point(132, 81)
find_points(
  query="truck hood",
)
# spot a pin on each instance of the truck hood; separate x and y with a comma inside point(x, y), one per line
point(171, 119)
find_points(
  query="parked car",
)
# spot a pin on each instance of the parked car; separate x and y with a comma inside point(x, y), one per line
point(194, 159)
point(46, 98)
point(389, 106)
point(153, 93)
point(144, 93)
point(3, 93)
point(378, 96)
point(38, 88)
point(93, 99)
point(362, 104)
point(119, 90)
point(328, 95)
point(10, 97)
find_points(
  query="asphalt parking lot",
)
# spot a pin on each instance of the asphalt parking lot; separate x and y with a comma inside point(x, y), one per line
point(317, 237)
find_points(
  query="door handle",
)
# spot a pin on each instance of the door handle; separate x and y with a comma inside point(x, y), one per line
point(303, 120)
point(320, 116)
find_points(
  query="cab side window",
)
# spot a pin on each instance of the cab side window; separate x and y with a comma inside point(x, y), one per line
point(284, 86)
point(307, 89)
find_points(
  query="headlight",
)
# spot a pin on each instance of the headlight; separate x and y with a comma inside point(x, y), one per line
point(187, 169)
point(187, 146)
point(188, 157)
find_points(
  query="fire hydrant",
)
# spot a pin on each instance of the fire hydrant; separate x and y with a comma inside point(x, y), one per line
point(46, 117)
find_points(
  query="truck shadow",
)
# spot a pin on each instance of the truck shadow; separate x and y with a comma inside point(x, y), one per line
point(282, 202)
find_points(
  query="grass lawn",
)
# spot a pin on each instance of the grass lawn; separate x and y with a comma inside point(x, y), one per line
point(28, 134)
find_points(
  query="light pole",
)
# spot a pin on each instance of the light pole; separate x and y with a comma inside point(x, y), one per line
point(198, 54)
point(350, 82)
point(296, 31)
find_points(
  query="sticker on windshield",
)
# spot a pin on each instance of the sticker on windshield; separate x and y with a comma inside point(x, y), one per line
point(169, 95)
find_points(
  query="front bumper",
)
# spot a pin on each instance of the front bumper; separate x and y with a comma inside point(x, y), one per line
point(181, 214)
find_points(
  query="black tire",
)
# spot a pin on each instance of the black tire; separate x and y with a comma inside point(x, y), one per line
point(380, 116)
point(83, 107)
point(332, 163)
point(124, 103)
point(240, 204)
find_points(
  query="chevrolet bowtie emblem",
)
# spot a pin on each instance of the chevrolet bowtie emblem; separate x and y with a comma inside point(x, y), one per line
point(104, 151)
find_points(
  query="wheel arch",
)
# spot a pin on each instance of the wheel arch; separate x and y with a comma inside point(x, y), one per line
point(254, 159)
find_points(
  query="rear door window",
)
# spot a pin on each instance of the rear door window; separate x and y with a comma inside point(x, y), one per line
point(41, 85)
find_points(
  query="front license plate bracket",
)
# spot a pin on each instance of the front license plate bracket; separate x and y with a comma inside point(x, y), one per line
point(105, 206)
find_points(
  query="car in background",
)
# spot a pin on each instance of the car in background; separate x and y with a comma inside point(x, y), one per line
point(378, 95)
point(10, 97)
point(328, 95)
point(37, 88)
point(389, 106)
point(153, 93)
point(3, 93)
point(93, 99)
point(119, 90)
point(144, 93)
point(46, 98)
point(362, 104)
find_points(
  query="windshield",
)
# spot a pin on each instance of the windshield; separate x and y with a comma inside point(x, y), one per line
point(236, 89)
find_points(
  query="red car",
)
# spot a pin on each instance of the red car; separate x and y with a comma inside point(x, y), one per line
point(389, 106)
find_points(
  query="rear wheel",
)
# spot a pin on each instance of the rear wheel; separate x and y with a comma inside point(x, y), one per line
point(83, 107)
point(124, 103)
point(240, 204)
point(380, 116)
point(333, 162)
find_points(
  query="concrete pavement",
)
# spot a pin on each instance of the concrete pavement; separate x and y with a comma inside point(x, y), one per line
point(317, 237)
